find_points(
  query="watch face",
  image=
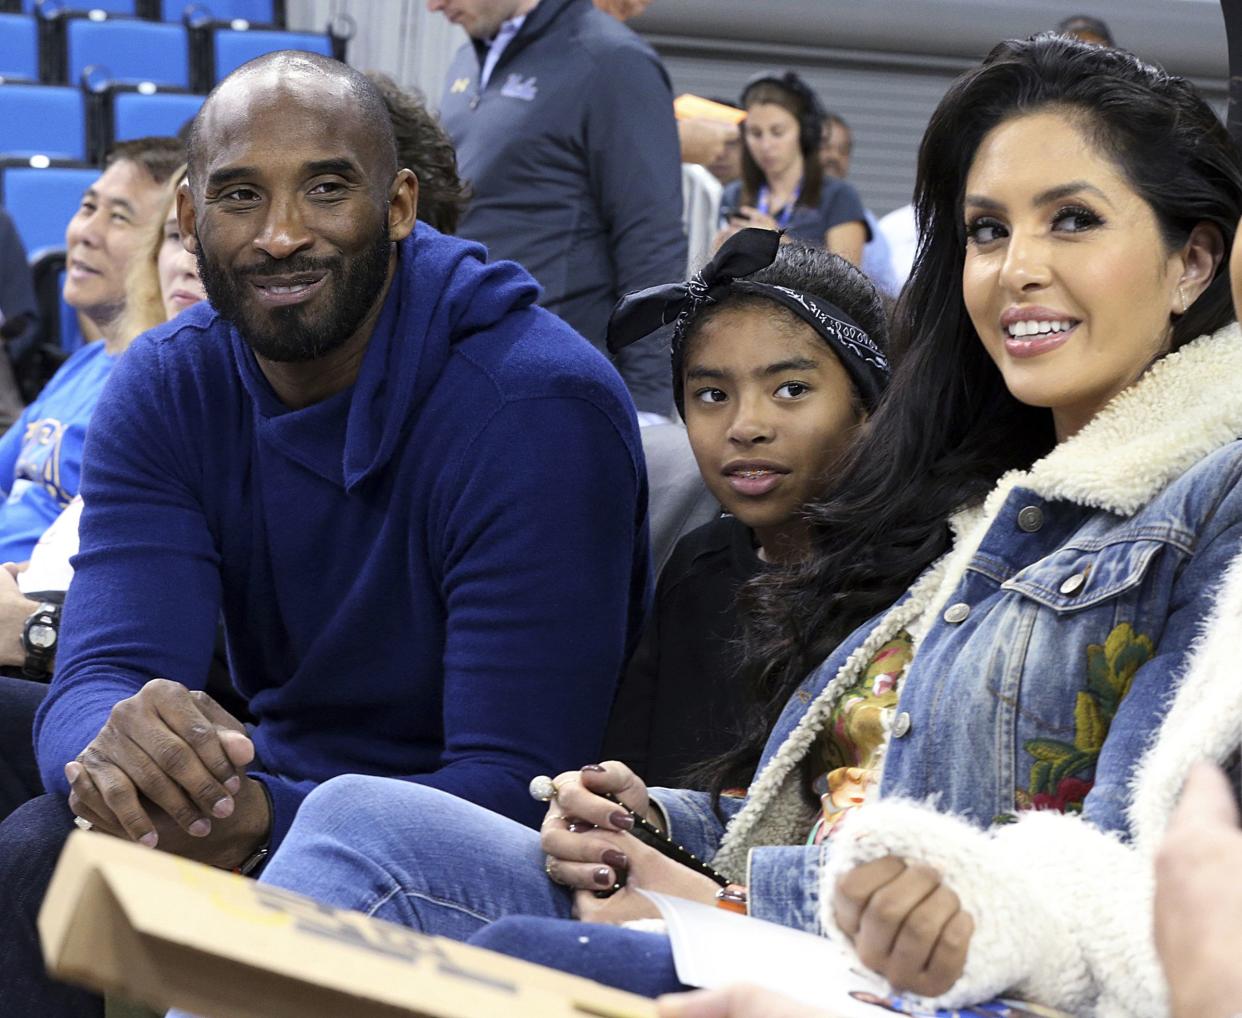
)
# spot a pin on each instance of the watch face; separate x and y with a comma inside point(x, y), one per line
point(42, 636)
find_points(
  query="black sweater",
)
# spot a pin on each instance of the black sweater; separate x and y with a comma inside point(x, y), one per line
point(681, 700)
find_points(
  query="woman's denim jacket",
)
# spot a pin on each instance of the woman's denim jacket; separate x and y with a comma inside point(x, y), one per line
point(1053, 650)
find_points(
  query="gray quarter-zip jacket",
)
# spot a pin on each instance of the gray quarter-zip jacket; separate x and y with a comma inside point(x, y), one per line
point(572, 152)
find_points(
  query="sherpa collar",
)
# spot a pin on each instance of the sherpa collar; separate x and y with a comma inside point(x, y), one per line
point(1185, 406)
point(1204, 721)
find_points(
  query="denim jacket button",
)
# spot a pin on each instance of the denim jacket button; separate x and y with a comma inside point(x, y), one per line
point(901, 724)
point(1030, 518)
point(956, 613)
point(1074, 584)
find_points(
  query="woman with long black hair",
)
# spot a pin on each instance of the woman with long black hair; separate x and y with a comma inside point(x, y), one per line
point(1006, 585)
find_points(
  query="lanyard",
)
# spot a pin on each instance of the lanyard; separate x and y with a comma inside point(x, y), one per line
point(764, 202)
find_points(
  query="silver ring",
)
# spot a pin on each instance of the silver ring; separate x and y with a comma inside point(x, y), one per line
point(82, 824)
point(542, 788)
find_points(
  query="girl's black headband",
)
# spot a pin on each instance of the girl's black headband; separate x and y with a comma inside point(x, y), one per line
point(640, 314)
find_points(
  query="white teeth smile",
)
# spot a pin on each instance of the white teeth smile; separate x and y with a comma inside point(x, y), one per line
point(288, 289)
point(1018, 330)
point(751, 474)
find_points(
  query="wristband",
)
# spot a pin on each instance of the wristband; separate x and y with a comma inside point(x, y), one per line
point(733, 898)
point(256, 860)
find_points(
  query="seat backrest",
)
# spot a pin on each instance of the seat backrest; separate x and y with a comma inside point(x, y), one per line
point(258, 12)
point(233, 48)
point(41, 202)
point(128, 51)
point(72, 6)
point(19, 47)
point(45, 120)
point(135, 115)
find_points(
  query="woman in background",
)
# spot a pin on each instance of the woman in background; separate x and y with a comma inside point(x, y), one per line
point(783, 186)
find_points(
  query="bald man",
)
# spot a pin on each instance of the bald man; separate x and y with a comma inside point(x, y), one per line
point(418, 500)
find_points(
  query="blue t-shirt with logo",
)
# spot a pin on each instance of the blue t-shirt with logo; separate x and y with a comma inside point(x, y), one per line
point(41, 454)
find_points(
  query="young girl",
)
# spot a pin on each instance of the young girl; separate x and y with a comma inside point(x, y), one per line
point(783, 186)
point(1050, 494)
point(770, 402)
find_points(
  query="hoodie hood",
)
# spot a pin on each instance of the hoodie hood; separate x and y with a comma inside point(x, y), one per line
point(443, 291)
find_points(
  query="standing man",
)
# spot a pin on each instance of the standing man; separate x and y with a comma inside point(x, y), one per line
point(418, 500)
point(563, 122)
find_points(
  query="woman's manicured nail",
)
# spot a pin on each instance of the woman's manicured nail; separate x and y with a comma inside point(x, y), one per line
point(602, 876)
point(617, 860)
point(621, 821)
point(594, 768)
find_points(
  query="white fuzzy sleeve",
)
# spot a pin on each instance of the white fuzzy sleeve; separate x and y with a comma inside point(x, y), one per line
point(1062, 911)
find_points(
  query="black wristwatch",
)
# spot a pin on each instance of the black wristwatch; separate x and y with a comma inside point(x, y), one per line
point(40, 635)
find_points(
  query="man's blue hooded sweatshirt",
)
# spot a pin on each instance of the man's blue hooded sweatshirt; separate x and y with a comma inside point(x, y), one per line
point(435, 574)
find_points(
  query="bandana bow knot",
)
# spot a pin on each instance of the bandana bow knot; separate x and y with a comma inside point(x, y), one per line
point(644, 312)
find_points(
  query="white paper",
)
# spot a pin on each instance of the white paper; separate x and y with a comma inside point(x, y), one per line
point(714, 948)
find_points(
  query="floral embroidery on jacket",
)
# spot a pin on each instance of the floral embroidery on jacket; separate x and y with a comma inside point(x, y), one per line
point(848, 752)
point(1062, 773)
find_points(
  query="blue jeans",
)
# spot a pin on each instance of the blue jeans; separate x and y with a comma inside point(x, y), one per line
point(415, 856)
point(430, 861)
point(30, 842)
point(19, 773)
point(632, 960)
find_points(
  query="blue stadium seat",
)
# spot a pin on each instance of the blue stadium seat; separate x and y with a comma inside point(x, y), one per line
point(42, 201)
point(128, 51)
point(19, 47)
point(232, 48)
point(45, 120)
point(135, 115)
point(111, 6)
point(60, 329)
point(257, 12)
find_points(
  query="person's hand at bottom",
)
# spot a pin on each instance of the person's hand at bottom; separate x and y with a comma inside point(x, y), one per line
point(1199, 899)
point(906, 924)
point(742, 1001)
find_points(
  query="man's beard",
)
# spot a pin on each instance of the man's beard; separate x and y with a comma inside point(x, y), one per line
point(295, 333)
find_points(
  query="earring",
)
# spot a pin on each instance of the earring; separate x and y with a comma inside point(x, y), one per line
point(1182, 293)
